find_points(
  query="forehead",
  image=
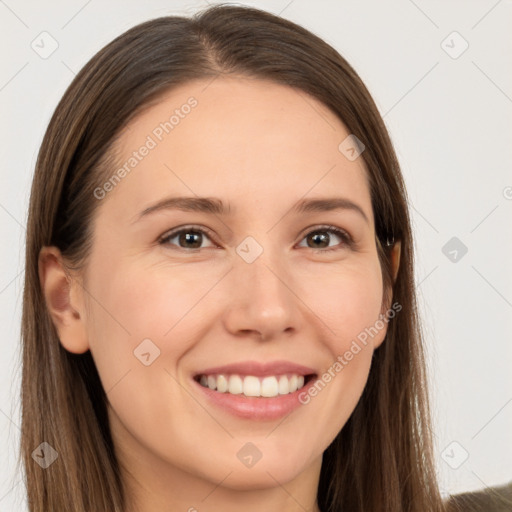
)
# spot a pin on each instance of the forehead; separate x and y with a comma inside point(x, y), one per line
point(237, 137)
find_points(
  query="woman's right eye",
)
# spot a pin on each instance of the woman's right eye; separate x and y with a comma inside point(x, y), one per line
point(190, 237)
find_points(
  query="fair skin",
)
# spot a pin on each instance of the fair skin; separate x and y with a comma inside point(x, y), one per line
point(261, 147)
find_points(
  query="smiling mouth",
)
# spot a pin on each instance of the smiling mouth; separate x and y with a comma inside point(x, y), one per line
point(251, 386)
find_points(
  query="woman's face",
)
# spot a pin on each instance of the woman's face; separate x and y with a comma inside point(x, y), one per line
point(260, 281)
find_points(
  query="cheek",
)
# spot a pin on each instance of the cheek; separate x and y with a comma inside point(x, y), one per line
point(139, 302)
point(349, 305)
point(140, 329)
point(139, 316)
point(348, 300)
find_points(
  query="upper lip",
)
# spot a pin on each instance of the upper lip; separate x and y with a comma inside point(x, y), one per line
point(259, 369)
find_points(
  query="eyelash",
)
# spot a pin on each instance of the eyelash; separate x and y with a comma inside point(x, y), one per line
point(345, 237)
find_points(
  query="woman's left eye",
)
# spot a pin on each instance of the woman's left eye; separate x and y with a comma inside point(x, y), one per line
point(318, 236)
point(192, 238)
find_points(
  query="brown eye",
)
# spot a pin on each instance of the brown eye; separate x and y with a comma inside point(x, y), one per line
point(186, 238)
point(320, 238)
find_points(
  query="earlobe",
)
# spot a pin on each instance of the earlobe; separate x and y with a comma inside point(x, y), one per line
point(58, 288)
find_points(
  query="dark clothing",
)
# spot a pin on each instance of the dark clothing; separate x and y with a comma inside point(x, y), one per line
point(491, 499)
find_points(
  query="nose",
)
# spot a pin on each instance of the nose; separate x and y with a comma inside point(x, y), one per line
point(262, 304)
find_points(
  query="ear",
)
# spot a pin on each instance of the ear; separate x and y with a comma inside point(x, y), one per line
point(395, 258)
point(395, 264)
point(386, 303)
point(64, 300)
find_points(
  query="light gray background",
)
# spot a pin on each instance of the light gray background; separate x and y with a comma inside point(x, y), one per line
point(450, 121)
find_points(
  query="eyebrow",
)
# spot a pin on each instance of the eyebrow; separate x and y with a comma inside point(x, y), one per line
point(215, 206)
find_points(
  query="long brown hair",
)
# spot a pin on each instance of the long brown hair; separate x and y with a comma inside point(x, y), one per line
point(382, 459)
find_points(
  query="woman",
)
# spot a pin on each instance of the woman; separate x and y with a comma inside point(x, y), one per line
point(261, 369)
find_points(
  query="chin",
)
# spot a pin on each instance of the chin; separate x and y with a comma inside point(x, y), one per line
point(260, 478)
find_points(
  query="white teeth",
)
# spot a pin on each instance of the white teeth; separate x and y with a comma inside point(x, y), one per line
point(235, 385)
point(222, 384)
point(291, 382)
point(269, 387)
point(284, 389)
point(253, 386)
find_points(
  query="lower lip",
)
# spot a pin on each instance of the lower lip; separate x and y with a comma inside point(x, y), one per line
point(256, 408)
